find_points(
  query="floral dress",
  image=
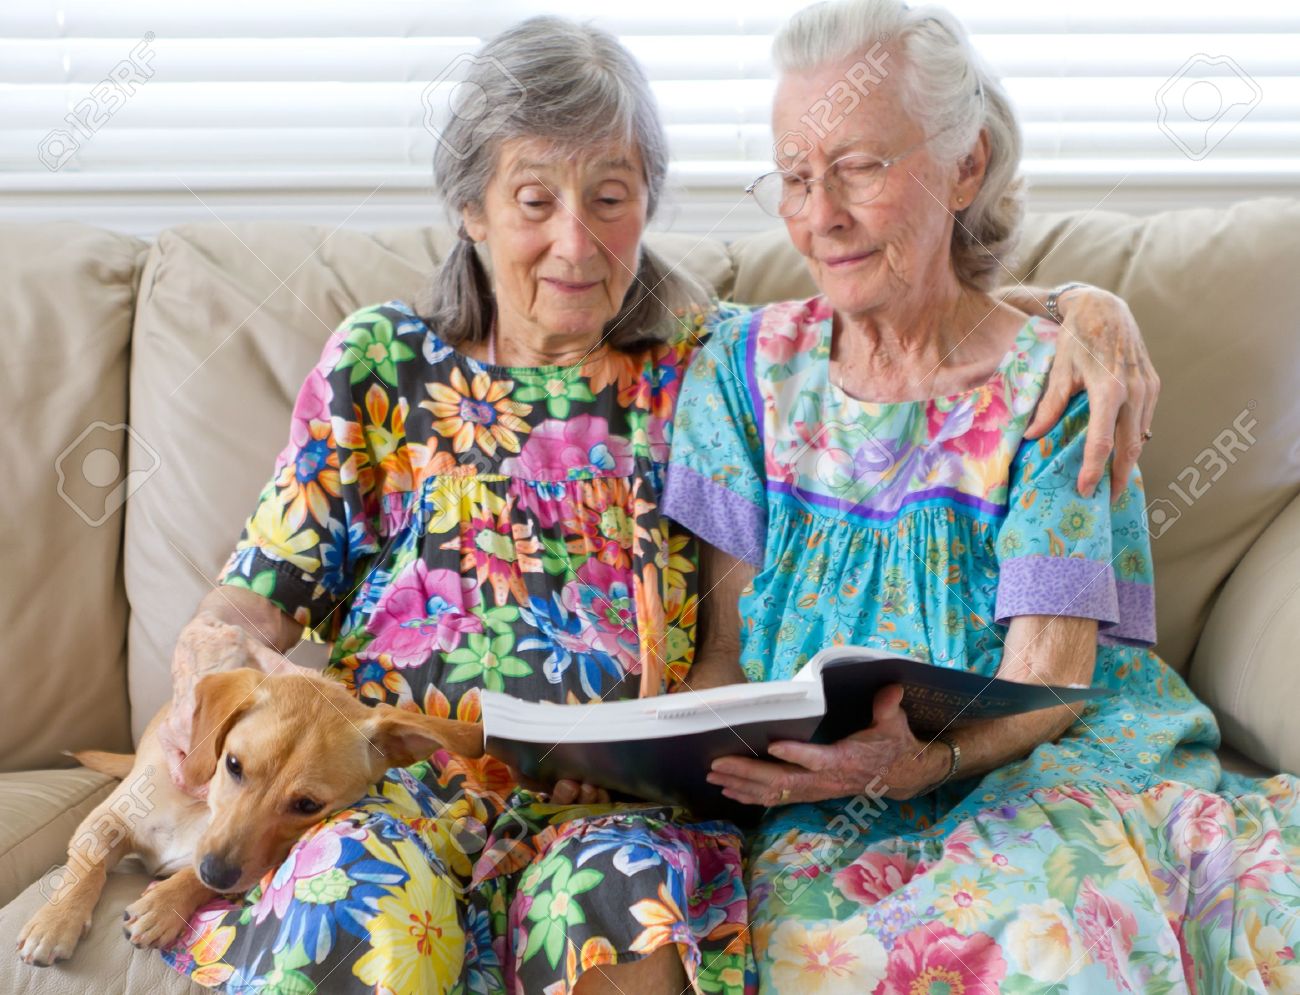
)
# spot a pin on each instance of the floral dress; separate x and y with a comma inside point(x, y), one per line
point(451, 526)
point(1118, 858)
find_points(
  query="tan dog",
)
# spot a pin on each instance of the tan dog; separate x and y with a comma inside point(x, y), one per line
point(278, 754)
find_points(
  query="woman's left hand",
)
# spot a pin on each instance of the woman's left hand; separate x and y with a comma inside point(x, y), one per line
point(884, 760)
point(1102, 352)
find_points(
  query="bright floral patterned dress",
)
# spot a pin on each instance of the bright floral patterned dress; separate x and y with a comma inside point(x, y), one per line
point(1119, 858)
point(452, 526)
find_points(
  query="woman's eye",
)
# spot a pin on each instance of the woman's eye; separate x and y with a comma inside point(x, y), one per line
point(233, 765)
point(307, 806)
point(856, 169)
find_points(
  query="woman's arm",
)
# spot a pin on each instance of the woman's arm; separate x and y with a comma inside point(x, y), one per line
point(888, 759)
point(723, 579)
point(1039, 649)
point(1102, 352)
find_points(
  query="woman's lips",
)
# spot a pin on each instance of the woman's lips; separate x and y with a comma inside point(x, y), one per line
point(569, 287)
point(843, 262)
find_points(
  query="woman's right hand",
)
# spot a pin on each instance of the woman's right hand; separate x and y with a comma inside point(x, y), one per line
point(206, 645)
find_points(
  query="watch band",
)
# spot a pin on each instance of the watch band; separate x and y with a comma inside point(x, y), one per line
point(1054, 295)
point(955, 765)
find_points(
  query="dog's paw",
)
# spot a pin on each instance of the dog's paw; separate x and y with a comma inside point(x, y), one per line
point(152, 920)
point(51, 935)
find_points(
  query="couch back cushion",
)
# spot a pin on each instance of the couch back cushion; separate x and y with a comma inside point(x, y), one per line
point(70, 290)
point(230, 320)
point(1216, 296)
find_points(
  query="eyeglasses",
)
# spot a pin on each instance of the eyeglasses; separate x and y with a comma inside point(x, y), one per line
point(859, 177)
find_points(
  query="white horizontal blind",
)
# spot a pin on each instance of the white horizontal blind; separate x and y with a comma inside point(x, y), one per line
point(316, 111)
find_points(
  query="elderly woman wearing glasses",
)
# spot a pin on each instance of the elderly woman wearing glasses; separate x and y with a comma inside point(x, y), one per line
point(858, 467)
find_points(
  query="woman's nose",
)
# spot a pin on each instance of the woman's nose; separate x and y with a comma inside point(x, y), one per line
point(574, 239)
point(824, 208)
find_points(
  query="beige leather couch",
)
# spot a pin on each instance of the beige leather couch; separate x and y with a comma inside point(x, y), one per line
point(147, 388)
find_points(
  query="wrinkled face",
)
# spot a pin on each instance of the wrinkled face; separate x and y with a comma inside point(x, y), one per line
point(564, 234)
point(863, 255)
point(284, 766)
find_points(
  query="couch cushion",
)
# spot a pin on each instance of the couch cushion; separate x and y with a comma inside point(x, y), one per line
point(1245, 665)
point(39, 812)
point(1215, 294)
point(103, 962)
point(69, 290)
point(220, 350)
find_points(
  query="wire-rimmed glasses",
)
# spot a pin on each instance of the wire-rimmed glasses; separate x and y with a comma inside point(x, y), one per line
point(858, 176)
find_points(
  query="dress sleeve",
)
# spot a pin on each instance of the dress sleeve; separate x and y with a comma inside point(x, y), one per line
point(316, 523)
point(1062, 554)
point(716, 486)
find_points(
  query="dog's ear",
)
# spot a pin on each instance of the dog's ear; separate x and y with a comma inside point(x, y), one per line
point(219, 701)
point(404, 737)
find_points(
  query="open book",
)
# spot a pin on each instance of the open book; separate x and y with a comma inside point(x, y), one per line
point(660, 749)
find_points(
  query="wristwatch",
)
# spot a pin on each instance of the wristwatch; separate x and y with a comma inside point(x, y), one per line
point(955, 765)
point(1054, 295)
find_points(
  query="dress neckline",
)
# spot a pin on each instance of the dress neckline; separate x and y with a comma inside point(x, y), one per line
point(1027, 333)
point(597, 356)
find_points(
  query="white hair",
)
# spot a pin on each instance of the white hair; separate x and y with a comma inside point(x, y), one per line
point(952, 93)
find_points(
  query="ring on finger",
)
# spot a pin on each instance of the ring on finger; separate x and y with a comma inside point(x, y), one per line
point(1146, 435)
point(785, 794)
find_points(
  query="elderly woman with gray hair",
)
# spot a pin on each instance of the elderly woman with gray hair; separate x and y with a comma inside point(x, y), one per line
point(469, 499)
point(858, 468)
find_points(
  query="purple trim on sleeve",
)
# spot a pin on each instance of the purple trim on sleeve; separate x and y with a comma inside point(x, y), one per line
point(1069, 585)
point(718, 516)
point(1137, 615)
point(1056, 585)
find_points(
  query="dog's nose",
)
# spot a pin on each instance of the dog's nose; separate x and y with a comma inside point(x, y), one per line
point(217, 874)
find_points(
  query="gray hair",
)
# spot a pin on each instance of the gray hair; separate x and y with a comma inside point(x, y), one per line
point(575, 87)
point(950, 90)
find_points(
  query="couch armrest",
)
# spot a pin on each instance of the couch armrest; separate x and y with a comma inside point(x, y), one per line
point(1245, 664)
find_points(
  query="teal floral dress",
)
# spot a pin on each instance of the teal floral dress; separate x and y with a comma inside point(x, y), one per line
point(450, 526)
point(1118, 858)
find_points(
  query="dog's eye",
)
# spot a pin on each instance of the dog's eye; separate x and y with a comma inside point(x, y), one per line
point(234, 766)
point(306, 806)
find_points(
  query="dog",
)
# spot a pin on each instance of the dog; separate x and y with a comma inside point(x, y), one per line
point(277, 753)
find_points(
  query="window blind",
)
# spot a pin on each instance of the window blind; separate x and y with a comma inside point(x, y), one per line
point(162, 112)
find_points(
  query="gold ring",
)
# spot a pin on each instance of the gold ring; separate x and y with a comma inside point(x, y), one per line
point(785, 793)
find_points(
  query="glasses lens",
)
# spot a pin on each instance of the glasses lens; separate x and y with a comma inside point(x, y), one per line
point(779, 194)
point(860, 177)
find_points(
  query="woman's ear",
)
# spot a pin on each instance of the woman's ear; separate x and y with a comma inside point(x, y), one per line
point(970, 173)
point(220, 700)
point(472, 220)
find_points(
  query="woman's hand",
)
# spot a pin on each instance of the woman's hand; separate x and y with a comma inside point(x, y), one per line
point(565, 791)
point(1102, 352)
point(882, 760)
point(208, 645)
point(568, 792)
